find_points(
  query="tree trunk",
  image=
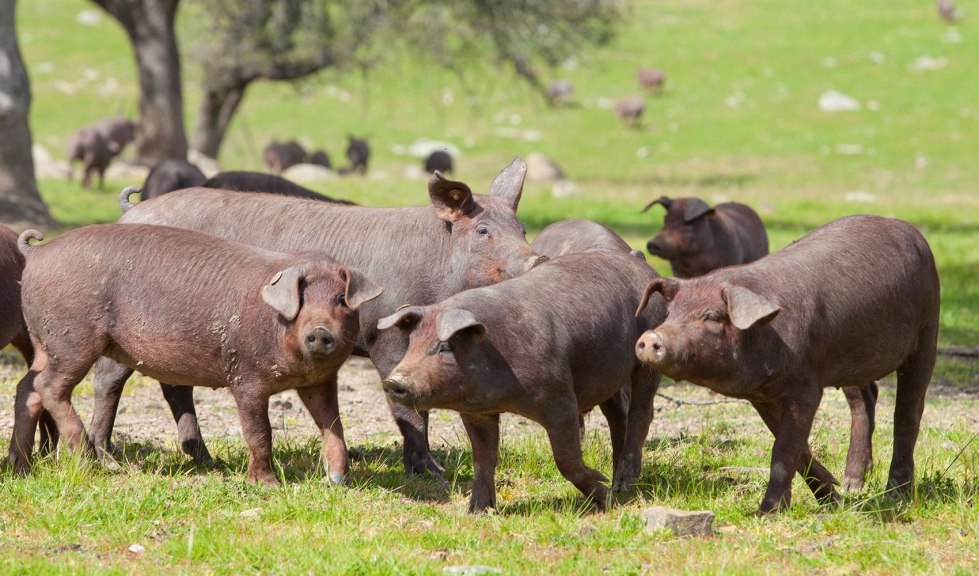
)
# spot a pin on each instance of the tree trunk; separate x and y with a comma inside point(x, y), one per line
point(21, 206)
point(218, 106)
point(149, 24)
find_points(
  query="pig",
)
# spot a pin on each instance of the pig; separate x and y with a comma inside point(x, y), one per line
point(261, 322)
point(88, 146)
point(267, 183)
point(572, 236)
point(546, 345)
point(358, 152)
point(13, 330)
point(438, 160)
point(844, 305)
point(320, 158)
point(423, 254)
point(279, 156)
point(651, 79)
point(117, 131)
point(946, 9)
point(697, 238)
point(630, 110)
point(171, 175)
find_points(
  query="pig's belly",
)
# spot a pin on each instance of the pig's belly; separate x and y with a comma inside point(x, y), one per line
point(173, 367)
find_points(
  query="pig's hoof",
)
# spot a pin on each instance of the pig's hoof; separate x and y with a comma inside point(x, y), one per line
point(20, 465)
point(422, 463)
point(851, 485)
point(338, 478)
point(267, 480)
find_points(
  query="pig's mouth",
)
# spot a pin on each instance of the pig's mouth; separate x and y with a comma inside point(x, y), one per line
point(397, 388)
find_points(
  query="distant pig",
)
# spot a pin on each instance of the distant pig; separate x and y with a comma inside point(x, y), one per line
point(651, 79)
point(171, 175)
point(697, 238)
point(359, 153)
point(279, 156)
point(438, 160)
point(89, 147)
point(546, 345)
point(117, 131)
point(320, 158)
point(203, 311)
point(630, 110)
point(845, 305)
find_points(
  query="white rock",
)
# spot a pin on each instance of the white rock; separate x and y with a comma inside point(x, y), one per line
point(423, 148)
point(308, 173)
point(137, 549)
point(470, 570)
point(127, 172)
point(849, 149)
point(209, 166)
point(415, 172)
point(681, 522)
point(540, 168)
point(45, 166)
point(89, 17)
point(564, 189)
point(833, 101)
point(925, 63)
point(251, 513)
point(860, 196)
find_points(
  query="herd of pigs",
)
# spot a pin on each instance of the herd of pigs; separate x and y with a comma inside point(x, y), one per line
point(249, 282)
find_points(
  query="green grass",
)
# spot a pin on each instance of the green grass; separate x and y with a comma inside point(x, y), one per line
point(770, 147)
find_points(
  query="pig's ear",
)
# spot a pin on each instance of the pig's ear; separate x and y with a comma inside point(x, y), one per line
point(282, 292)
point(451, 199)
point(360, 288)
point(451, 322)
point(508, 184)
point(747, 309)
point(695, 208)
point(662, 200)
point(405, 318)
point(665, 286)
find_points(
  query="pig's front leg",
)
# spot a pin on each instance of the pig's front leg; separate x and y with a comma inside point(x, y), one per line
point(645, 383)
point(860, 457)
point(253, 410)
point(324, 407)
point(561, 424)
point(484, 435)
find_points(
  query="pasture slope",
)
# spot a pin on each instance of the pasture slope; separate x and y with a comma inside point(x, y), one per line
point(738, 120)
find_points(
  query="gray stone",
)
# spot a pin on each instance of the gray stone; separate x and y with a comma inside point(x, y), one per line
point(681, 522)
point(471, 570)
point(540, 168)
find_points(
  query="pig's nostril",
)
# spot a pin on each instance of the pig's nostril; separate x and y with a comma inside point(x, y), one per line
point(657, 346)
point(642, 345)
point(395, 389)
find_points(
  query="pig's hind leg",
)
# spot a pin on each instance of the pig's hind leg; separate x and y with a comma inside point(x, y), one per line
point(616, 412)
point(484, 435)
point(860, 457)
point(181, 402)
point(561, 424)
point(644, 384)
point(913, 378)
point(56, 378)
point(324, 407)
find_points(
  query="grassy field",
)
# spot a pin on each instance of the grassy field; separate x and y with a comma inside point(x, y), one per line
point(738, 121)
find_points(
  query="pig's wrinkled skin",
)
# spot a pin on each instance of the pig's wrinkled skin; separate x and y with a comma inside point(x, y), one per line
point(845, 305)
point(547, 345)
point(261, 322)
point(422, 254)
point(697, 239)
point(13, 330)
point(171, 175)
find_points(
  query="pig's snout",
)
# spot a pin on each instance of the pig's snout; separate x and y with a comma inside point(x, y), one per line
point(396, 387)
point(655, 246)
point(320, 342)
point(650, 348)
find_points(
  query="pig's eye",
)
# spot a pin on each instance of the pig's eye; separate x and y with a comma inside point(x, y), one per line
point(482, 231)
point(341, 300)
point(711, 317)
point(443, 349)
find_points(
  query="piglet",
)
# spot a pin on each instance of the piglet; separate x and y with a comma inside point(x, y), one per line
point(201, 311)
point(697, 239)
point(546, 345)
point(845, 305)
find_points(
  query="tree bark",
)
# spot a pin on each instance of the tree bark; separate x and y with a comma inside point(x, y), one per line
point(150, 26)
point(21, 206)
point(218, 106)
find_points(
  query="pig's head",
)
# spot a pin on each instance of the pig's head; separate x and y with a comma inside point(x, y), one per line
point(714, 332)
point(686, 228)
point(488, 243)
point(317, 307)
point(447, 353)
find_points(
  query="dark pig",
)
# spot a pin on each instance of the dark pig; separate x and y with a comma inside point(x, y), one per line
point(547, 345)
point(320, 158)
point(13, 330)
point(439, 160)
point(171, 175)
point(697, 238)
point(278, 156)
point(423, 253)
point(267, 183)
point(845, 305)
point(358, 152)
point(261, 322)
point(89, 147)
point(117, 131)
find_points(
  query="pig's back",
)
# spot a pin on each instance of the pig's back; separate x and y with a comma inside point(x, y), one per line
point(573, 236)
point(747, 227)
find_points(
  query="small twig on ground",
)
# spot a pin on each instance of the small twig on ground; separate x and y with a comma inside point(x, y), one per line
point(682, 402)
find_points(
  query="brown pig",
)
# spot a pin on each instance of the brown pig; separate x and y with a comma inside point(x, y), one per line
point(845, 305)
point(571, 236)
point(424, 254)
point(546, 345)
point(204, 311)
point(697, 238)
